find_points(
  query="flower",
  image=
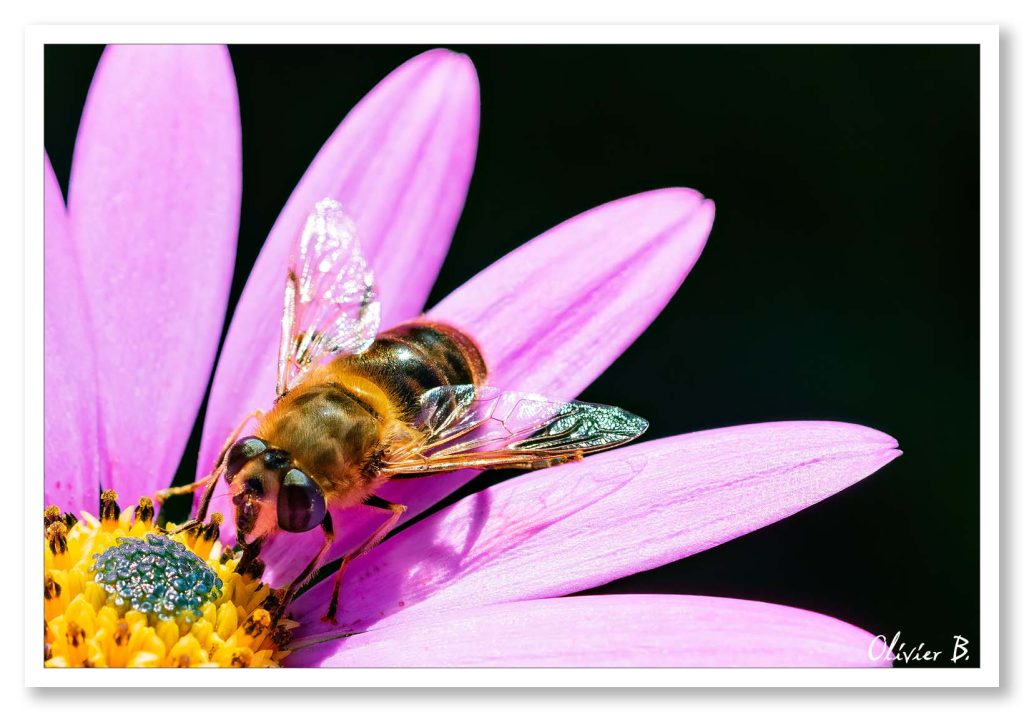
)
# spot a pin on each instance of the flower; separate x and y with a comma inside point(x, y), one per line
point(107, 602)
point(146, 245)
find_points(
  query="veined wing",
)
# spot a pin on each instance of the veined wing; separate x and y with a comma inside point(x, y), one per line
point(462, 426)
point(330, 300)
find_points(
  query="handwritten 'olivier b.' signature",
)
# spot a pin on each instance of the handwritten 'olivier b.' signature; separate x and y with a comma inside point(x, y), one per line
point(896, 651)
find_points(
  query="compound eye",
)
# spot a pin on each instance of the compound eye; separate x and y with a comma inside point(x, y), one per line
point(240, 453)
point(300, 503)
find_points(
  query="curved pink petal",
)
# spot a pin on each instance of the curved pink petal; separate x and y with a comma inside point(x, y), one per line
point(550, 317)
point(577, 526)
point(400, 164)
point(154, 202)
point(608, 631)
point(71, 462)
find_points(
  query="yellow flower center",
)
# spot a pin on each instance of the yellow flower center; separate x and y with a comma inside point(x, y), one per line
point(121, 592)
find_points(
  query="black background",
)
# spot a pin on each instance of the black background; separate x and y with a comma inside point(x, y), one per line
point(840, 281)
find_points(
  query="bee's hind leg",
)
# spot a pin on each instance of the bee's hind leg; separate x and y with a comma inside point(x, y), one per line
point(397, 510)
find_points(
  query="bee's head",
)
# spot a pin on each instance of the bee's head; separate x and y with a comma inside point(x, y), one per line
point(270, 491)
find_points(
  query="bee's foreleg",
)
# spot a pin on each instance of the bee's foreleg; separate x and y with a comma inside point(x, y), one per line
point(249, 563)
point(210, 481)
point(397, 510)
point(162, 495)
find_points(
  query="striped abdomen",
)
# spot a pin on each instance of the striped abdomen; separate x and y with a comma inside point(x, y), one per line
point(415, 357)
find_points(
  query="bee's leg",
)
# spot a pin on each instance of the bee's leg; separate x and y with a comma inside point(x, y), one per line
point(397, 510)
point(161, 495)
point(210, 481)
point(204, 505)
point(490, 460)
point(249, 563)
point(327, 525)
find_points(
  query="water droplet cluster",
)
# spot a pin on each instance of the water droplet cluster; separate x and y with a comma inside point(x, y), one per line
point(157, 576)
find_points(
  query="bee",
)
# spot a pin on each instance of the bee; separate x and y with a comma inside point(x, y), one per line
point(356, 408)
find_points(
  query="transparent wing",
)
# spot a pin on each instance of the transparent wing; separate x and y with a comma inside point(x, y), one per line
point(330, 301)
point(463, 426)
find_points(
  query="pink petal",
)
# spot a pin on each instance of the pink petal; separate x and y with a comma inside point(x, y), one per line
point(400, 164)
point(550, 317)
point(573, 527)
point(608, 631)
point(70, 444)
point(553, 315)
point(154, 202)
